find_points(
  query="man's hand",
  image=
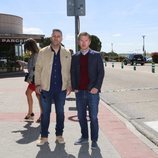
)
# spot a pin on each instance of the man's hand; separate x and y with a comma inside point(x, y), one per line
point(38, 89)
point(94, 90)
point(68, 91)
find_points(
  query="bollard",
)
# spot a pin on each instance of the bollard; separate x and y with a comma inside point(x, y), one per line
point(105, 63)
point(113, 64)
point(122, 65)
point(153, 67)
point(134, 67)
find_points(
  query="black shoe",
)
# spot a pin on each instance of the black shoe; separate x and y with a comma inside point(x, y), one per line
point(38, 120)
point(81, 141)
point(29, 117)
point(94, 145)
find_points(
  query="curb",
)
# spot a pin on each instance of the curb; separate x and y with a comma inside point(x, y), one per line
point(145, 132)
point(12, 74)
point(152, 140)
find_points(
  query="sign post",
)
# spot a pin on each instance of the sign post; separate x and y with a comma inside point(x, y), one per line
point(76, 8)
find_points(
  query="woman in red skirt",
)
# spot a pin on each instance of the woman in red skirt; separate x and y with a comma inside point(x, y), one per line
point(31, 48)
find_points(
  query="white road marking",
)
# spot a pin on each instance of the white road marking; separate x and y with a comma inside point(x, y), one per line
point(153, 125)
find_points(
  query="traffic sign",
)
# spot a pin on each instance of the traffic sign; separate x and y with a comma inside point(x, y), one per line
point(76, 8)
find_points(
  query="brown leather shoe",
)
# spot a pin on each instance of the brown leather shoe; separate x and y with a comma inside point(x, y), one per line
point(42, 141)
point(60, 140)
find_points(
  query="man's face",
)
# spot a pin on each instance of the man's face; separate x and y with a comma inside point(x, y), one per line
point(84, 42)
point(56, 38)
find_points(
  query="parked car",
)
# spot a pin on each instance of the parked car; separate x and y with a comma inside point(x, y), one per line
point(134, 58)
point(149, 60)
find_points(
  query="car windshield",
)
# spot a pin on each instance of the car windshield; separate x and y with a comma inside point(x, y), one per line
point(130, 56)
point(135, 56)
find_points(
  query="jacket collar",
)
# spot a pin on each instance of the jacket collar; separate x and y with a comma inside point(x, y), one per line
point(90, 51)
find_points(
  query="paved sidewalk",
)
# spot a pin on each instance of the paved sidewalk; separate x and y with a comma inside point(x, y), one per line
point(18, 138)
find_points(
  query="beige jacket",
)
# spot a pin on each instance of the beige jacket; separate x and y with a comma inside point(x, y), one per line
point(43, 68)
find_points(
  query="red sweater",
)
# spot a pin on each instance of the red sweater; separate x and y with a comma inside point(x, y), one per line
point(84, 79)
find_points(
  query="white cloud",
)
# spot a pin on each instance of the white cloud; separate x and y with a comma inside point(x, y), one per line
point(32, 30)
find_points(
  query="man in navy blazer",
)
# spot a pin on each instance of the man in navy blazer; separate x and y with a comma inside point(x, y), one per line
point(87, 73)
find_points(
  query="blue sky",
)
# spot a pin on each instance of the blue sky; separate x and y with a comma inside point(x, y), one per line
point(121, 22)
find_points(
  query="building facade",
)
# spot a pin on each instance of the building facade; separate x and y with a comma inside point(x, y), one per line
point(11, 41)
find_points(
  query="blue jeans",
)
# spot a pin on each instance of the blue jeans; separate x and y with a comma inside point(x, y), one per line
point(46, 102)
point(85, 99)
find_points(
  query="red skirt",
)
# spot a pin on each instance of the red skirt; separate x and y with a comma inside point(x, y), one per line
point(32, 86)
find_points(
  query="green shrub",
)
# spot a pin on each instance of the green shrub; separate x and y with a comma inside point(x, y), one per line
point(154, 56)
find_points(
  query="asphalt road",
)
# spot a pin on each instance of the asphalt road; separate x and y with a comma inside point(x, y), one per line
point(134, 94)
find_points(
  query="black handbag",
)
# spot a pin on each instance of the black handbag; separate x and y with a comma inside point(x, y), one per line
point(27, 78)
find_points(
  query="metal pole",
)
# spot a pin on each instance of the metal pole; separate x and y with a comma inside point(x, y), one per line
point(112, 48)
point(134, 67)
point(153, 67)
point(76, 25)
point(144, 51)
point(122, 65)
point(113, 64)
point(76, 32)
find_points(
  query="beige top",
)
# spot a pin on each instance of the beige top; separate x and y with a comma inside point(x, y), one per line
point(43, 68)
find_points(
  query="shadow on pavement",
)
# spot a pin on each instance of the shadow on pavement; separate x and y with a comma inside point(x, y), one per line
point(84, 152)
point(59, 152)
point(96, 153)
point(29, 135)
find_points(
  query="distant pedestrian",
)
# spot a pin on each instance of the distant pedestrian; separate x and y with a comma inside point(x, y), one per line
point(52, 79)
point(31, 48)
point(87, 73)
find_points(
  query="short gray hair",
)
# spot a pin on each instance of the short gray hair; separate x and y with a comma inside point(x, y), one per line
point(57, 30)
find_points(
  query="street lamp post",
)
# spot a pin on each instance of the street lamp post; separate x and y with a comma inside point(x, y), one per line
point(144, 51)
point(112, 48)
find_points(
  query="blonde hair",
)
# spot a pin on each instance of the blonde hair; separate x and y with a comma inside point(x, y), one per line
point(84, 34)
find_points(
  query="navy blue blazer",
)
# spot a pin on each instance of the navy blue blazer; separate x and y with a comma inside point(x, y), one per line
point(95, 70)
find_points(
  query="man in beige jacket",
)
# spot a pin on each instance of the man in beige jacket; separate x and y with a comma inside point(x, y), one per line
point(52, 80)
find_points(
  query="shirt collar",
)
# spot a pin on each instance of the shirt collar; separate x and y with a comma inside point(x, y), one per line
point(85, 52)
point(54, 50)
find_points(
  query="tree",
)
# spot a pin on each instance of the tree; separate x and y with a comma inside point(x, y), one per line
point(154, 56)
point(95, 43)
point(112, 56)
point(45, 42)
point(104, 55)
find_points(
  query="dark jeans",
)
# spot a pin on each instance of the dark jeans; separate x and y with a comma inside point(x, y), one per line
point(46, 102)
point(85, 99)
